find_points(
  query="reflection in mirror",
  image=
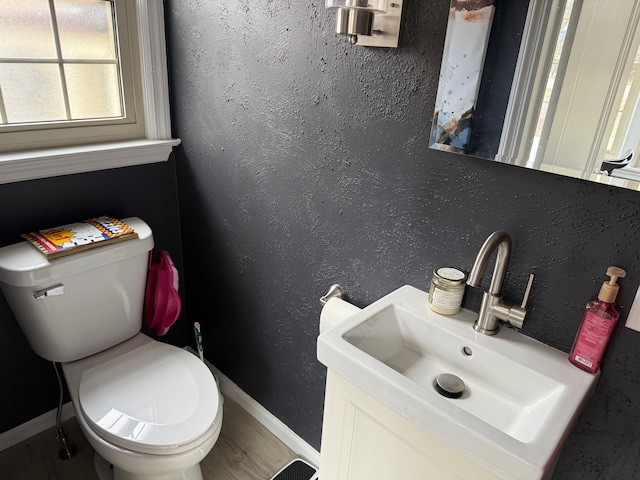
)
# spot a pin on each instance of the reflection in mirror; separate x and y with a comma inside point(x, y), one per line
point(574, 104)
point(465, 45)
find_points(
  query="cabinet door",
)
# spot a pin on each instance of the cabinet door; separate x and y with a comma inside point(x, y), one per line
point(365, 440)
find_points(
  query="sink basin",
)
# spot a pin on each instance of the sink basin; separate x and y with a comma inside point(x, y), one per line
point(520, 396)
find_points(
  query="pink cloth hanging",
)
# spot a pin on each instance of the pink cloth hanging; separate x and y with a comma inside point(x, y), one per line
point(162, 302)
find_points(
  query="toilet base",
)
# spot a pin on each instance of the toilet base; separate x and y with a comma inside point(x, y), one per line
point(106, 471)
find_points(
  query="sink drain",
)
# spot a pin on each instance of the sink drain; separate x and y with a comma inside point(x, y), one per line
point(450, 386)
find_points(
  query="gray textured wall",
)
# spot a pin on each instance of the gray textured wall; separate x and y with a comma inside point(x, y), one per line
point(305, 162)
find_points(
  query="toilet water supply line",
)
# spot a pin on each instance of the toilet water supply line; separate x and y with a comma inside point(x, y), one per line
point(67, 450)
point(198, 333)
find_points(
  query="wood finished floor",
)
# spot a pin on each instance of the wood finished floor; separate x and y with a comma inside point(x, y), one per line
point(245, 450)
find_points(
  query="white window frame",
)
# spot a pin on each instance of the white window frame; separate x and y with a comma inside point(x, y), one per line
point(536, 48)
point(155, 146)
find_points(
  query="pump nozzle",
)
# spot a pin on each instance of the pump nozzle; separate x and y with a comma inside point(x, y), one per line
point(609, 290)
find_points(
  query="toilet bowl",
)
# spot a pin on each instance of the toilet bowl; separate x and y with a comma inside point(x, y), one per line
point(150, 410)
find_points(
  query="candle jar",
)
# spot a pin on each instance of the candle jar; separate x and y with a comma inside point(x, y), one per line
point(446, 290)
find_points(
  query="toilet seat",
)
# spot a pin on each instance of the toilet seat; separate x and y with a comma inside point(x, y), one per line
point(153, 399)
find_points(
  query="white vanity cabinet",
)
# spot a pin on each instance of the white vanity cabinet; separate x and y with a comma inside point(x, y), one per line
point(362, 439)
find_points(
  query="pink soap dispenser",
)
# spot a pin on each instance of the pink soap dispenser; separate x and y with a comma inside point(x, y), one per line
point(597, 326)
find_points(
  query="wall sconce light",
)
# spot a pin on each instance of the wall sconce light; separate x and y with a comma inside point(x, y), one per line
point(370, 23)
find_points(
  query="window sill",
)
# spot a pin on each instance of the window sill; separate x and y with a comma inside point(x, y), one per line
point(53, 162)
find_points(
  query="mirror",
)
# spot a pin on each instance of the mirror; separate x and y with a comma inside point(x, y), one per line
point(551, 86)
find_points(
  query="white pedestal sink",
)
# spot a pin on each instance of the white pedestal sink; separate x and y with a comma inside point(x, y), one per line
point(520, 400)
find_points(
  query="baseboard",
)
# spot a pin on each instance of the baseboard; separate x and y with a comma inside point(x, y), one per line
point(34, 426)
point(266, 418)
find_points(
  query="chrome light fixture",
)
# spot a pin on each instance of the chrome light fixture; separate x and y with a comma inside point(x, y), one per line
point(371, 23)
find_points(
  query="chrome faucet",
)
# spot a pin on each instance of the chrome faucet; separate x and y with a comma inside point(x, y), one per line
point(493, 308)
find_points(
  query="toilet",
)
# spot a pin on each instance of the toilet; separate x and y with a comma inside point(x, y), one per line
point(150, 410)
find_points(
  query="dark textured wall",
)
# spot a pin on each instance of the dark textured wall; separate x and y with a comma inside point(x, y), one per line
point(29, 382)
point(305, 162)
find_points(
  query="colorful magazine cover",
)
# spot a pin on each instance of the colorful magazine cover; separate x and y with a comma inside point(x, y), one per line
point(75, 237)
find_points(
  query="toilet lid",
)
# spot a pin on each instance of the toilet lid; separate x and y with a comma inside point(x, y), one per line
point(152, 399)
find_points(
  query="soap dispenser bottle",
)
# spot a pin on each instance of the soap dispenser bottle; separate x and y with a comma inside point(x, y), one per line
point(597, 325)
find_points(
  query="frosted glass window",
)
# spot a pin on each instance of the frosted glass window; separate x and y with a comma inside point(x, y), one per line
point(86, 29)
point(58, 56)
point(26, 29)
point(32, 93)
point(101, 100)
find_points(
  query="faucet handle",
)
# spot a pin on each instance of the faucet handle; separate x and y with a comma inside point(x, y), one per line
point(527, 291)
point(516, 314)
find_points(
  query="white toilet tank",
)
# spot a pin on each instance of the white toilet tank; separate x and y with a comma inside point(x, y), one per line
point(94, 298)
